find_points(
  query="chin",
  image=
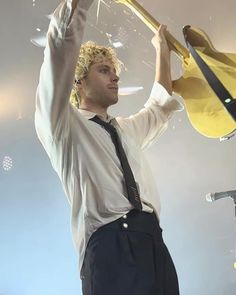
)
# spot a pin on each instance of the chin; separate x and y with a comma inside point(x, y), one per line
point(113, 100)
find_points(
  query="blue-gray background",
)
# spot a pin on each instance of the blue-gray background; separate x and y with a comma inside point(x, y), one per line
point(37, 255)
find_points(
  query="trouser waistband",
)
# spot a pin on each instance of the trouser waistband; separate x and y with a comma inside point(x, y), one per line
point(135, 221)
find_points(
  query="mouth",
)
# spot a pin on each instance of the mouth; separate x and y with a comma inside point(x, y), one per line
point(113, 88)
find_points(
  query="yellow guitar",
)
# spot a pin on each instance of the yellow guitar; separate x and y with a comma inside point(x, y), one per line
point(207, 114)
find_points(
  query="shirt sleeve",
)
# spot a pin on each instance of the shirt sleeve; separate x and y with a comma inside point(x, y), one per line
point(56, 79)
point(152, 120)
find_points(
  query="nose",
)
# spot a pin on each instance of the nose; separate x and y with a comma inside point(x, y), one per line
point(115, 78)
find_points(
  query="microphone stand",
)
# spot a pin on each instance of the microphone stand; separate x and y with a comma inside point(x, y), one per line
point(234, 206)
point(233, 197)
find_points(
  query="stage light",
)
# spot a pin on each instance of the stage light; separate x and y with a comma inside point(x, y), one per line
point(7, 163)
point(9, 100)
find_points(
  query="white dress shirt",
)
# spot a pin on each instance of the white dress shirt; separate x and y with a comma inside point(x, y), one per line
point(81, 151)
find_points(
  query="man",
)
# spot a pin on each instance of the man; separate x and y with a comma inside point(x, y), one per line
point(114, 203)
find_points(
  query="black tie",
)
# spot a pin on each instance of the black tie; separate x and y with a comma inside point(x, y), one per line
point(133, 194)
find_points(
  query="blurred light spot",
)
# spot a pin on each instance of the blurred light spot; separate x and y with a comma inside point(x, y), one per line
point(234, 265)
point(38, 29)
point(7, 163)
point(123, 91)
point(9, 106)
point(40, 40)
point(120, 39)
point(114, 41)
point(19, 116)
point(127, 12)
point(49, 16)
point(117, 44)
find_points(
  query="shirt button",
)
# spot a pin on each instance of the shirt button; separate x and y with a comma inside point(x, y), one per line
point(125, 216)
point(125, 225)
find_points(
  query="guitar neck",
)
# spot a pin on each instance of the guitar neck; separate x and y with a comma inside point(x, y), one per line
point(153, 24)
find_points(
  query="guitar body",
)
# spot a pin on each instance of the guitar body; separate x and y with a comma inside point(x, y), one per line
point(206, 112)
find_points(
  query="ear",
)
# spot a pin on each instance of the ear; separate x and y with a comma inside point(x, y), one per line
point(77, 81)
point(78, 84)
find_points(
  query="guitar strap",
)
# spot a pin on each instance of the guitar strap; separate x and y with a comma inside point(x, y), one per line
point(216, 85)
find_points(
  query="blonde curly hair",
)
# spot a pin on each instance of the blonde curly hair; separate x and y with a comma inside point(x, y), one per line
point(90, 52)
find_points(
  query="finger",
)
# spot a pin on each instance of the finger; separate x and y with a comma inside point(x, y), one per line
point(162, 28)
point(162, 32)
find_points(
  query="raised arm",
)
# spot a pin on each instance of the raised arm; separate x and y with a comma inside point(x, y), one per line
point(64, 39)
point(163, 71)
point(152, 120)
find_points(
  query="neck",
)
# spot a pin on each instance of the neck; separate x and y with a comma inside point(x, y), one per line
point(94, 109)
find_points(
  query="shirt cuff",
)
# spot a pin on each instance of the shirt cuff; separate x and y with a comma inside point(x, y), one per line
point(160, 96)
point(62, 17)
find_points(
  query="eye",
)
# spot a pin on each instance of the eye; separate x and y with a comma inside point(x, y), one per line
point(104, 70)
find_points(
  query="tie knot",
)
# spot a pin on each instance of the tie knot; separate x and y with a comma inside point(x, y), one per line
point(106, 125)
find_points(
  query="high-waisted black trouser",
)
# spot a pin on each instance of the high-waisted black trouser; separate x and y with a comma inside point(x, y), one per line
point(128, 257)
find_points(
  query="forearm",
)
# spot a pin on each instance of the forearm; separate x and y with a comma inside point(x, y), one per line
point(163, 72)
point(74, 4)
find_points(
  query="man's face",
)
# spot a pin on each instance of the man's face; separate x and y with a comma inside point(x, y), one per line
point(100, 86)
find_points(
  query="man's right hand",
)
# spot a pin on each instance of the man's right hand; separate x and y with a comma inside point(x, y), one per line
point(86, 4)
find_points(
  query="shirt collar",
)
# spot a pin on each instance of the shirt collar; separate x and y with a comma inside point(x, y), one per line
point(89, 115)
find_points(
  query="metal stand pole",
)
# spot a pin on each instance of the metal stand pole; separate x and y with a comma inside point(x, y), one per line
point(235, 207)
